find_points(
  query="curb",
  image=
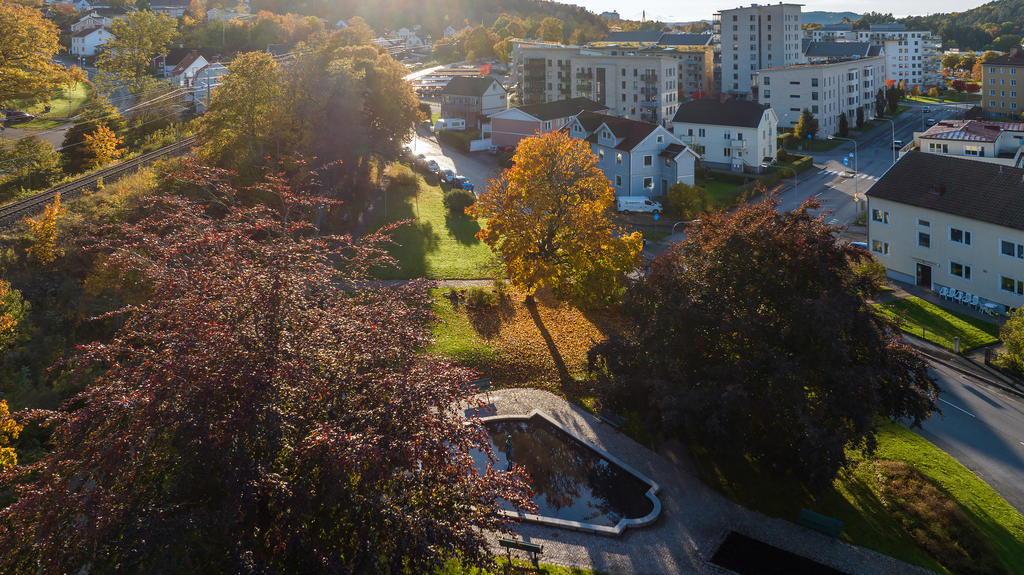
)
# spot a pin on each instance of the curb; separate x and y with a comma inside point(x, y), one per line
point(984, 378)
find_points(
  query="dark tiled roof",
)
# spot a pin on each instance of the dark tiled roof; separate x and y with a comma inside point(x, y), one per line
point(1009, 59)
point(970, 130)
point(837, 49)
point(468, 86)
point(685, 40)
point(970, 189)
point(875, 51)
point(728, 113)
point(632, 132)
point(562, 108)
point(629, 37)
point(659, 38)
point(672, 150)
point(86, 32)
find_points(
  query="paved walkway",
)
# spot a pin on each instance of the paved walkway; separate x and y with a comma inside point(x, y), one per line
point(694, 518)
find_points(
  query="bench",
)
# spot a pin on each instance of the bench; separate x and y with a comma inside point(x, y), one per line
point(821, 523)
point(480, 384)
point(532, 548)
point(611, 418)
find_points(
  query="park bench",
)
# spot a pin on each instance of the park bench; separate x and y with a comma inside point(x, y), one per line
point(532, 548)
point(819, 522)
point(480, 384)
point(611, 418)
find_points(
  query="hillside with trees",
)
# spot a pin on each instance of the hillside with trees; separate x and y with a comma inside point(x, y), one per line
point(997, 25)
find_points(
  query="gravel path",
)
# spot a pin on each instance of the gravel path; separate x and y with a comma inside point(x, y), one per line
point(694, 518)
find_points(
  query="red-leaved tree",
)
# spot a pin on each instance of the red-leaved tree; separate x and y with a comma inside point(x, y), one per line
point(267, 410)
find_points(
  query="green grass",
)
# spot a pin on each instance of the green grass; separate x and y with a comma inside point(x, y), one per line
point(437, 244)
point(854, 498)
point(64, 104)
point(939, 325)
point(454, 336)
point(655, 235)
point(946, 97)
point(455, 567)
point(723, 195)
point(818, 145)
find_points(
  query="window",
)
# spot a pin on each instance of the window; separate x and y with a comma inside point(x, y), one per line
point(879, 216)
point(648, 160)
point(1011, 249)
point(727, 152)
point(700, 132)
point(661, 139)
point(960, 270)
point(958, 236)
point(924, 223)
point(880, 247)
point(767, 80)
point(618, 180)
point(924, 240)
point(649, 183)
point(1011, 285)
point(814, 82)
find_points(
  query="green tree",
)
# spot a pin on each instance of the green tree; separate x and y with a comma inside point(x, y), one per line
point(967, 61)
point(860, 118)
point(880, 103)
point(31, 163)
point(137, 39)
point(28, 46)
point(98, 112)
point(688, 202)
point(13, 311)
point(988, 55)
point(806, 126)
point(892, 98)
point(551, 30)
point(480, 44)
point(951, 61)
point(1012, 334)
point(843, 129)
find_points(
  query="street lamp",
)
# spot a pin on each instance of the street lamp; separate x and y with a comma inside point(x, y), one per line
point(856, 190)
point(893, 143)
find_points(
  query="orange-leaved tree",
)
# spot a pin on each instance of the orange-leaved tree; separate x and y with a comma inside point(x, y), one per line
point(548, 215)
point(9, 430)
point(43, 227)
point(101, 147)
point(13, 310)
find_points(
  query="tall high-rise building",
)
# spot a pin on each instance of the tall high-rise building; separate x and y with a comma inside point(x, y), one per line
point(756, 37)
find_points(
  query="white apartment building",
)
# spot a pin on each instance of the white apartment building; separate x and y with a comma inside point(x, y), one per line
point(828, 90)
point(756, 37)
point(735, 134)
point(911, 56)
point(695, 54)
point(637, 87)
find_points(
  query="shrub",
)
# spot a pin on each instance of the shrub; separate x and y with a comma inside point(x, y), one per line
point(687, 202)
point(505, 159)
point(457, 200)
point(933, 93)
point(501, 289)
point(425, 111)
point(479, 298)
point(459, 140)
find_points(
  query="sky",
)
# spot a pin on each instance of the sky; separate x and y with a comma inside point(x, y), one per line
point(682, 11)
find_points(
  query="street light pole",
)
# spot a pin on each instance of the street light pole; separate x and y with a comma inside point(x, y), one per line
point(893, 143)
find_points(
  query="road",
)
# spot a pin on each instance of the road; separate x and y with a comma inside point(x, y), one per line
point(479, 167)
point(983, 428)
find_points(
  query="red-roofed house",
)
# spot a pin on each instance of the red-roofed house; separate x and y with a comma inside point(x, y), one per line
point(998, 142)
point(180, 65)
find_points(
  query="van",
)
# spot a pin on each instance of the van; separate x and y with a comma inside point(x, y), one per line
point(455, 124)
point(930, 121)
point(639, 204)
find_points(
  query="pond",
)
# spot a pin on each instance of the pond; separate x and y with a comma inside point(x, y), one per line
point(575, 484)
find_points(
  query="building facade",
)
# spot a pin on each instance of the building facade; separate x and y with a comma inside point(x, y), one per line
point(735, 134)
point(639, 158)
point(87, 43)
point(695, 54)
point(1000, 93)
point(473, 99)
point(828, 90)
point(998, 142)
point(941, 222)
point(753, 38)
point(511, 125)
point(911, 56)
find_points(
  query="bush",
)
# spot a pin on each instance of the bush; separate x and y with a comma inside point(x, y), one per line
point(479, 298)
point(457, 200)
point(687, 202)
point(505, 159)
point(425, 111)
point(458, 139)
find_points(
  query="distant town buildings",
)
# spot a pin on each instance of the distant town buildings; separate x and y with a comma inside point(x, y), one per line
point(510, 126)
point(753, 38)
point(911, 56)
point(1000, 94)
point(473, 99)
point(996, 142)
point(610, 15)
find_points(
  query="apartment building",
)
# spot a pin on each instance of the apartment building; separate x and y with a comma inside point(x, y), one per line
point(1001, 96)
point(756, 37)
point(638, 87)
point(996, 142)
point(695, 54)
point(736, 135)
point(941, 222)
point(911, 56)
point(828, 90)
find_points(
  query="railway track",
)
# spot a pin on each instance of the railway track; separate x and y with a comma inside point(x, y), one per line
point(14, 212)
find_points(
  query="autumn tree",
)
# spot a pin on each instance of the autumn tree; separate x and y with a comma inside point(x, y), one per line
point(551, 30)
point(13, 310)
point(480, 44)
point(9, 431)
point(688, 202)
point(753, 335)
point(548, 217)
point(91, 116)
point(266, 410)
point(44, 227)
point(101, 147)
point(30, 42)
point(31, 163)
point(136, 39)
point(806, 126)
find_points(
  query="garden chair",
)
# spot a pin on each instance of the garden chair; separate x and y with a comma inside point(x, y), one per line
point(975, 302)
point(944, 293)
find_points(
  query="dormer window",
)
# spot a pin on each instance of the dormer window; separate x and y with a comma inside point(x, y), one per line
point(606, 135)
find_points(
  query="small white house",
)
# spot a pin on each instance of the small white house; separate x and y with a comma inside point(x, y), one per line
point(90, 21)
point(205, 83)
point(88, 42)
point(738, 135)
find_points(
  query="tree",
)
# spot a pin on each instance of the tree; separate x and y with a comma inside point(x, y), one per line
point(44, 227)
point(9, 431)
point(91, 116)
point(1012, 334)
point(688, 202)
point(30, 42)
point(892, 98)
point(240, 121)
point(480, 44)
point(860, 118)
point(933, 92)
point(551, 30)
point(787, 369)
point(136, 39)
point(31, 163)
point(101, 147)
point(806, 126)
point(951, 61)
point(547, 215)
point(843, 129)
point(880, 103)
point(13, 310)
point(988, 55)
point(967, 61)
point(255, 415)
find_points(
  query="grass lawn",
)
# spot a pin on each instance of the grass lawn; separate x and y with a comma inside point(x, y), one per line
point(64, 104)
point(875, 514)
point(455, 567)
point(723, 195)
point(818, 145)
point(436, 244)
point(939, 325)
point(655, 235)
point(946, 97)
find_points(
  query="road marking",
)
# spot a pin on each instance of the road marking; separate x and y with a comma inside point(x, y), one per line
point(833, 221)
point(955, 407)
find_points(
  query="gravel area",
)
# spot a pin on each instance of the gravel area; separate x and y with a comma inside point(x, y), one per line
point(693, 521)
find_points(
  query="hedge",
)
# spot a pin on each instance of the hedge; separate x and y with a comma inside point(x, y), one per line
point(460, 140)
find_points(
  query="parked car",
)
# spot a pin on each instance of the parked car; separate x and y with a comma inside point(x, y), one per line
point(447, 176)
point(640, 204)
point(859, 245)
point(897, 144)
point(420, 161)
point(17, 117)
point(930, 121)
point(432, 167)
point(462, 182)
point(926, 109)
point(406, 152)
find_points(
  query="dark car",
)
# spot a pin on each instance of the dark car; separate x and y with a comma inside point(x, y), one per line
point(17, 117)
point(462, 182)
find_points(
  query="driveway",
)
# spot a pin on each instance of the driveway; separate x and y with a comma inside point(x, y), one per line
point(479, 167)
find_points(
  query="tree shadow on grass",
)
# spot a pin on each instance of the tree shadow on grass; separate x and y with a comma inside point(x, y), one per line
point(556, 355)
point(412, 242)
point(462, 228)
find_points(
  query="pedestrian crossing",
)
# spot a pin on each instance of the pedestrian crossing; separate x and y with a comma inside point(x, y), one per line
point(840, 172)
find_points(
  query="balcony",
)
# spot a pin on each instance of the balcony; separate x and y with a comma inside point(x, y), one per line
point(738, 144)
point(584, 75)
point(648, 78)
point(649, 104)
point(649, 91)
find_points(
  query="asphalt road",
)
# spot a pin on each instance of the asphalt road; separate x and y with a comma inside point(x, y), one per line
point(983, 428)
point(479, 167)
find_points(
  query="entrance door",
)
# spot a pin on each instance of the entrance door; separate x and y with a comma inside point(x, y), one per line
point(924, 275)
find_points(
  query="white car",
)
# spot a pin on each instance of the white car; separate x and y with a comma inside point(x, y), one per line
point(639, 204)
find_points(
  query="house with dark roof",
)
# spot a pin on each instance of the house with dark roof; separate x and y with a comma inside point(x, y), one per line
point(999, 142)
point(822, 51)
point(89, 41)
point(954, 223)
point(511, 125)
point(639, 158)
point(473, 99)
point(732, 134)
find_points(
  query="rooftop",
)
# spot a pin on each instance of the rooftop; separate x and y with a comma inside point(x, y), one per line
point(562, 108)
point(975, 190)
point(631, 132)
point(469, 85)
point(1013, 58)
point(837, 49)
point(728, 113)
point(657, 38)
point(834, 62)
point(970, 130)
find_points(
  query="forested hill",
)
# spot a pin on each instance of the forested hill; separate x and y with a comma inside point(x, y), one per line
point(997, 25)
point(436, 15)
